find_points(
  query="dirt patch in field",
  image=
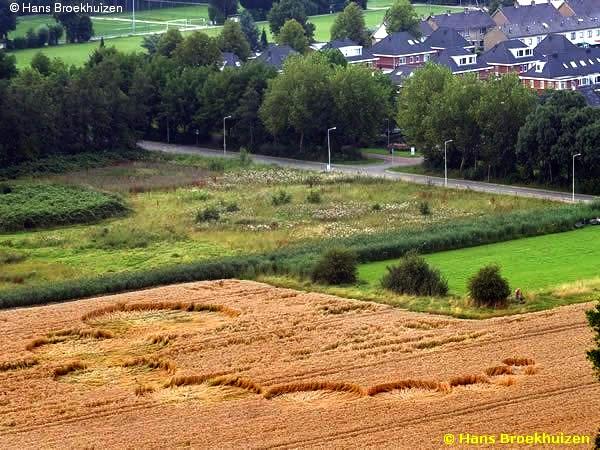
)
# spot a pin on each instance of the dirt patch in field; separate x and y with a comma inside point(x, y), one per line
point(242, 364)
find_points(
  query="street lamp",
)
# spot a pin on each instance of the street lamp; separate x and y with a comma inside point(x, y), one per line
point(133, 15)
point(329, 148)
point(225, 134)
point(197, 134)
point(446, 161)
point(573, 195)
point(388, 139)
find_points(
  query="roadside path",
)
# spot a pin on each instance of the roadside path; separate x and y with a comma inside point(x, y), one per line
point(376, 170)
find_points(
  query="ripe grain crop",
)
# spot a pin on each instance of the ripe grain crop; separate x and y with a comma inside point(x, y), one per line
point(250, 365)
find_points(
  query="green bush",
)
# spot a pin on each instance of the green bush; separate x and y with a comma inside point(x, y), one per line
point(413, 276)
point(231, 207)
point(244, 157)
point(314, 197)
point(336, 266)
point(216, 165)
point(30, 206)
point(208, 214)
point(424, 208)
point(376, 207)
point(281, 197)
point(488, 288)
point(5, 189)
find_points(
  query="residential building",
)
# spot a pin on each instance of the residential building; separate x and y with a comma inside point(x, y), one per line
point(531, 24)
point(444, 37)
point(511, 56)
point(591, 93)
point(472, 24)
point(554, 43)
point(582, 8)
point(567, 70)
point(230, 60)
point(461, 61)
point(353, 52)
point(275, 55)
point(399, 49)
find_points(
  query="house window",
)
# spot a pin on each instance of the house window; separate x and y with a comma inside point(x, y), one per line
point(417, 59)
point(585, 81)
point(410, 59)
point(519, 52)
point(573, 36)
point(581, 34)
point(529, 41)
point(463, 61)
point(597, 79)
point(401, 60)
point(542, 84)
point(598, 32)
point(589, 33)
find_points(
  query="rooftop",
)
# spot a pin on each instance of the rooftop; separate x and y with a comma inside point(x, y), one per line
point(464, 20)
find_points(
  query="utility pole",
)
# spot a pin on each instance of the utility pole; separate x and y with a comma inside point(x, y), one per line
point(573, 194)
point(446, 161)
point(329, 149)
point(225, 134)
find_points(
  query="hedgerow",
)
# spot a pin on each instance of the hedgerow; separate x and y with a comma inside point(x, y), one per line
point(29, 206)
point(300, 260)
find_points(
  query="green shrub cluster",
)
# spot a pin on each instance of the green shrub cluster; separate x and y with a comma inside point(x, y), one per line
point(336, 266)
point(413, 276)
point(208, 214)
point(29, 206)
point(281, 197)
point(488, 288)
point(314, 197)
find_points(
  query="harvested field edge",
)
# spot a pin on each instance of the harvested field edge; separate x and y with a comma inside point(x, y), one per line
point(298, 260)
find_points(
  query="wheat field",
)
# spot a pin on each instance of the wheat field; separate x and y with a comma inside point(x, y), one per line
point(230, 364)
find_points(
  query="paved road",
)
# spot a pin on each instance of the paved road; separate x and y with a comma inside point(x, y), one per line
point(376, 170)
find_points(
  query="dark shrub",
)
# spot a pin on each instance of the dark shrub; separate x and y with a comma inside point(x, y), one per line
point(5, 188)
point(281, 198)
point(424, 208)
point(210, 213)
point(336, 266)
point(216, 165)
point(314, 197)
point(414, 276)
point(376, 207)
point(488, 288)
point(231, 207)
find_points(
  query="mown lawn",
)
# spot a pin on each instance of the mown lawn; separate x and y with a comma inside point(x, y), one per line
point(165, 197)
point(531, 264)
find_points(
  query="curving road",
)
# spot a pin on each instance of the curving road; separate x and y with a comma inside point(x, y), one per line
point(376, 170)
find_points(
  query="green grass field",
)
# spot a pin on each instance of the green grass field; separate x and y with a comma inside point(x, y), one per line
point(532, 264)
point(77, 54)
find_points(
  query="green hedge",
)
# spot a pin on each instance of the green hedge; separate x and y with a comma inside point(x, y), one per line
point(29, 206)
point(299, 260)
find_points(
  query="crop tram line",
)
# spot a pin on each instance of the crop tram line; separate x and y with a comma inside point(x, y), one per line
point(385, 426)
point(338, 369)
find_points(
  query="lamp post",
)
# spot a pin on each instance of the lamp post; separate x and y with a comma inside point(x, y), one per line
point(197, 134)
point(446, 161)
point(133, 16)
point(573, 195)
point(388, 139)
point(329, 149)
point(225, 134)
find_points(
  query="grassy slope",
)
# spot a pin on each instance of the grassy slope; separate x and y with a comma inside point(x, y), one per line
point(77, 54)
point(532, 264)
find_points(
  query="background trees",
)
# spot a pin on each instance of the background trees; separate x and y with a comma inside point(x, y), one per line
point(350, 24)
point(402, 17)
point(292, 34)
point(220, 10)
point(232, 39)
point(197, 49)
point(290, 9)
point(8, 20)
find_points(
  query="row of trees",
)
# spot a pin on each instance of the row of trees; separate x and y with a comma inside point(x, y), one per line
point(499, 128)
point(178, 93)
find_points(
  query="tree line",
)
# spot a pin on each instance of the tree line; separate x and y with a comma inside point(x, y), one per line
point(178, 92)
point(500, 129)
